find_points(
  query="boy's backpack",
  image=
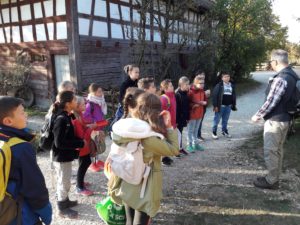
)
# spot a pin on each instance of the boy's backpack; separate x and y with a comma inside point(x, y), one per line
point(8, 206)
point(294, 102)
point(168, 101)
point(47, 137)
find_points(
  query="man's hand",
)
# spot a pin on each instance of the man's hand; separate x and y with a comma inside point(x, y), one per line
point(255, 118)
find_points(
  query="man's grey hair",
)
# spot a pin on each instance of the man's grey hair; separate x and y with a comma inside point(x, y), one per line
point(280, 56)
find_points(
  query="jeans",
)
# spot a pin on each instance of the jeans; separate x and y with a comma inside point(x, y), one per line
point(274, 137)
point(63, 173)
point(200, 126)
point(224, 113)
point(193, 127)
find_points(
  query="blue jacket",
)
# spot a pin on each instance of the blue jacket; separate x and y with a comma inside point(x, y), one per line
point(26, 179)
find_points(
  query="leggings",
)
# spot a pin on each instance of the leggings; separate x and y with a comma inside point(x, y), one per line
point(84, 163)
point(134, 217)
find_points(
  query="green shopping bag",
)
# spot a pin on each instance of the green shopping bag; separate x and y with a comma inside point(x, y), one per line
point(111, 213)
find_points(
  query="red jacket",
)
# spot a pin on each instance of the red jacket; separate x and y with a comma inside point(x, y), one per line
point(196, 109)
point(169, 103)
point(83, 132)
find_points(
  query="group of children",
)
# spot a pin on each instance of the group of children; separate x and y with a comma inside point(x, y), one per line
point(76, 121)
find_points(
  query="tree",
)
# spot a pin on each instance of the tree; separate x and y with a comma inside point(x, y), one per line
point(247, 30)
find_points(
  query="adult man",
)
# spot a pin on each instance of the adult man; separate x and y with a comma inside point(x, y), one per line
point(274, 112)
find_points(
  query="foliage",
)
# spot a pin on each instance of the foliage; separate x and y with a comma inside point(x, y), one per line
point(294, 53)
point(247, 30)
point(17, 75)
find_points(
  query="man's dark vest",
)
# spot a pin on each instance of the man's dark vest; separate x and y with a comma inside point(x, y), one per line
point(279, 113)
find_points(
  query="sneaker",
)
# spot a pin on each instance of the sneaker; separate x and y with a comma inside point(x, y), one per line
point(93, 167)
point(100, 164)
point(201, 139)
point(226, 134)
point(184, 152)
point(87, 184)
point(261, 182)
point(190, 149)
point(84, 192)
point(167, 161)
point(199, 147)
point(68, 213)
point(214, 135)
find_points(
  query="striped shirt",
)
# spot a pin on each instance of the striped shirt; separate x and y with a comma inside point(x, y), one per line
point(276, 92)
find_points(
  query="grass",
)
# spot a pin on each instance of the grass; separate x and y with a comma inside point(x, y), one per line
point(34, 111)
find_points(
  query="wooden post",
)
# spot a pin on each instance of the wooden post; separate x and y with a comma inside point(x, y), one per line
point(73, 42)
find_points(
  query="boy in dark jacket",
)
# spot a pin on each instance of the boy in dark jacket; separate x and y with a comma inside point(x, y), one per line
point(26, 180)
point(224, 100)
point(182, 109)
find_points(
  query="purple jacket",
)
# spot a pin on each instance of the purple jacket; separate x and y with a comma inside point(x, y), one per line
point(93, 113)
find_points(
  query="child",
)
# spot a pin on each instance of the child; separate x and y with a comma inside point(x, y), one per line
point(168, 102)
point(133, 73)
point(65, 151)
point(95, 111)
point(201, 75)
point(197, 101)
point(224, 100)
point(66, 86)
point(129, 100)
point(147, 84)
point(84, 132)
point(182, 107)
point(25, 177)
point(148, 109)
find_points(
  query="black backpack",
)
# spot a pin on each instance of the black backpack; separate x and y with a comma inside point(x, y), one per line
point(294, 102)
point(47, 137)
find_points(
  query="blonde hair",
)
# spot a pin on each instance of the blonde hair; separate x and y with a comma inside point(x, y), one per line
point(164, 85)
point(130, 99)
point(183, 80)
point(62, 86)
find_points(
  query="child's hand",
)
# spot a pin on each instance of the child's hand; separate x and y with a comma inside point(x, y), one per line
point(204, 102)
point(216, 109)
point(167, 118)
point(195, 106)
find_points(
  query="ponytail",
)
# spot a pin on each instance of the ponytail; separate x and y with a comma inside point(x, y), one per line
point(64, 97)
point(128, 68)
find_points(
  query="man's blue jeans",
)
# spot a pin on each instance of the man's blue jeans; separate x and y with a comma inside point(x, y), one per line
point(224, 113)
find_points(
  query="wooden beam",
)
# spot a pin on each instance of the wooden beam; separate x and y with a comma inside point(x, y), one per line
point(54, 23)
point(33, 20)
point(108, 19)
point(121, 19)
point(92, 17)
point(4, 32)
point(44, 16)
point(73, 42)
point(20, 20)
point(10, 21)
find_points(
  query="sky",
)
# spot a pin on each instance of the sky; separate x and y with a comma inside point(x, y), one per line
point(288, 11)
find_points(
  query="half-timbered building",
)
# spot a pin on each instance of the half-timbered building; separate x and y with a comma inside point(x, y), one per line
point(85, 40)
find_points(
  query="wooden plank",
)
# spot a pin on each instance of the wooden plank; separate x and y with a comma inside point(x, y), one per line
point(73, 41)
point(33, 20)
point(20, 19)
point(44, 16)
point(92, 17)
point(2, 21)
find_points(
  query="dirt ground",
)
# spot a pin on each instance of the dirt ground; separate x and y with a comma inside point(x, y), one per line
point(213, 187)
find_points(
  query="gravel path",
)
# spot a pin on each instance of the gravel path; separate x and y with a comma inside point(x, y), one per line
point(185, 181)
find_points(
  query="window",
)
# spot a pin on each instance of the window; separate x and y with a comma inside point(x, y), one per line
point(116, 31)
point(50, 27)
point(38, 10)
point(60, 7)
point(100, 8)
point(14, 14)
point(136, 16)
point(16, 34)
point(40, 32)
point(61, 30)
point(114, 11)
point(27, 33)
point(125, 13)
point(48, 8)
point(5, 14)
point(2, 40)
point(84, 6)
point(84, 25)
point(100, 29)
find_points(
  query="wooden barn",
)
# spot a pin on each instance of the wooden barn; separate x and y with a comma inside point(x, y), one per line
point(91, 40)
